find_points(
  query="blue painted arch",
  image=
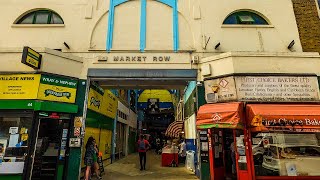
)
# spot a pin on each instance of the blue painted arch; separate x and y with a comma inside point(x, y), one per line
point(143, 24)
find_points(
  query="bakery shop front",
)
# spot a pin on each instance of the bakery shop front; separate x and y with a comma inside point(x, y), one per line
point(254, 137)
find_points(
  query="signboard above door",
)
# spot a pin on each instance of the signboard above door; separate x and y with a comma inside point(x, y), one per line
point(263, 89)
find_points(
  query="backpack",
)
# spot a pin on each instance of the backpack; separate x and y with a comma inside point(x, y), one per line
point(142, 145)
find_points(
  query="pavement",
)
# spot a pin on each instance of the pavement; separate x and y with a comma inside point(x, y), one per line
point(128, 168)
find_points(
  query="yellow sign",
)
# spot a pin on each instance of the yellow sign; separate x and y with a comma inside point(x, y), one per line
point(36, 86)
point(54, 88)
point(109, 104)
point(23, 130)
point(105, 143)
point(94, 100)
point(24, 137)
point(22, 86)
point(78, 122)
point(57, 93)
point(256, 121)
point(31, 58)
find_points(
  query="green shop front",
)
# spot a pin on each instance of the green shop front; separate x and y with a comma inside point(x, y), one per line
point(36, 115)
point(101, 111)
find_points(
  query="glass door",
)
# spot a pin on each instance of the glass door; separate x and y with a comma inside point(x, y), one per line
point(50, 146)
point(16, 129)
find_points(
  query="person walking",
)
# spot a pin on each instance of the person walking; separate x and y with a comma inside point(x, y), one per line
point(90, 158)
point(143, 146)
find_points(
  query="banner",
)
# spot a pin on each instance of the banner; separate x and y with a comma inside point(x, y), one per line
point(22, 86)
point(37, 86)
point(109, 104)
point(95, 98)
point(58, 89)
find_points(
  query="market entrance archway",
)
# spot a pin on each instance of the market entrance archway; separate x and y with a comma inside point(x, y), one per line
point(141, 79)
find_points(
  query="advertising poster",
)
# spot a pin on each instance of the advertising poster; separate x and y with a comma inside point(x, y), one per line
point(105, 143)
point(109, 104)
point(22, 86)
point(95, 98)
point(58, 89)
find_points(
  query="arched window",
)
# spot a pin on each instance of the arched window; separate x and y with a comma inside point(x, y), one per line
point(41, 17)
point(245, 17)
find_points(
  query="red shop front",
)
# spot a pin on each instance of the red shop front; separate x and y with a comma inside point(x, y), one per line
point(228, 140)
point(270, 141)
point(284, 140)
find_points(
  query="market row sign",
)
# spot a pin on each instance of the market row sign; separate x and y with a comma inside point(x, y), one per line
point(37, 86)
point(263, 89)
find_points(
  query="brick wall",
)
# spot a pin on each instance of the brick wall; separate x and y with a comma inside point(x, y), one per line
point(308, 22)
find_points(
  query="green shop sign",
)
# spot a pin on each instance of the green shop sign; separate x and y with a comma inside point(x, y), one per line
point(58, 89)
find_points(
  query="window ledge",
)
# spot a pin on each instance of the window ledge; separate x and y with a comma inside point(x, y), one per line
point(245, 26)
point(36, 25)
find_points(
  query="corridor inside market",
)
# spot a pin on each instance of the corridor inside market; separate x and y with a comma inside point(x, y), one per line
point(148, 107)
point(128, 169)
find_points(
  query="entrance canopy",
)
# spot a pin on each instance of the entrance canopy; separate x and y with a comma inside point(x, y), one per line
point(300, 118)
point(221, 115)
point(143, 78)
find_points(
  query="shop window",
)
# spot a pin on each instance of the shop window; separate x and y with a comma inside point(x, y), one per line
point(41, 17)
point(15, 129)
point(286, 154)
point(245, 17)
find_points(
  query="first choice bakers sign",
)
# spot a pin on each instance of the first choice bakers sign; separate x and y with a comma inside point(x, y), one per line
point(263, 88)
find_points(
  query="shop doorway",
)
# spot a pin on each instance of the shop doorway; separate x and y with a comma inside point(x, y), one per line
point(51, 147)
point(223, 166)
point(229, 154)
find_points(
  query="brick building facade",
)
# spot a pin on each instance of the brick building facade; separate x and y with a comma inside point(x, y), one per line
point(308, 21)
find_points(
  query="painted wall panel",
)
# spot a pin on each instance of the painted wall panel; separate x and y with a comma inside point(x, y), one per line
point(190, 127)
point(159, 26)
point(126, 33)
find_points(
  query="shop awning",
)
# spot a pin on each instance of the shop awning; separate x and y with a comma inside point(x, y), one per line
point(174, 129)
point(220, 115)
point(282, 117)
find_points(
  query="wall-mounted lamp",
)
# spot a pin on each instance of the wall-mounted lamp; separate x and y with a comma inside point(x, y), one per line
point(217, 45)
point(291, 44)
point(66, 45)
